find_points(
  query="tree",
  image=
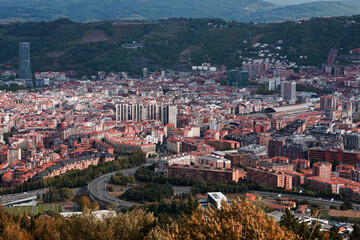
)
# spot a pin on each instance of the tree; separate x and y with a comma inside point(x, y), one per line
point(241, 220)
point(316, 233)
point(334, 164)
point(334, 233)
point(346, 205)
point(6, 136)
point(110, 188)
point(85, 203)
point(12, 230)
point(56, 195)
point(288, 220)
point(95, 206)
point(66, 193)
point(151, 192)
point(164, 220)
point(314, 160)
point(302, 229)
point(121, 179)
point(355, 235)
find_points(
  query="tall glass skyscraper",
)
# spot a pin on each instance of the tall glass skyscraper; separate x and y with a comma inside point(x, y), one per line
point(24, 61)
point(237, 78)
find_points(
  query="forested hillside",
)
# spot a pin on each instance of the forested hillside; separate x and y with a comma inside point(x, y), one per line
point(88, 47)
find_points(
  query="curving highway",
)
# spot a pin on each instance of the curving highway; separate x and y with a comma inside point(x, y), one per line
point(97, 189)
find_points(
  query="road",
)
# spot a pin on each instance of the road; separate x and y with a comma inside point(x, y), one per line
point(17, 196)
point(322, 201)
point(97, 189)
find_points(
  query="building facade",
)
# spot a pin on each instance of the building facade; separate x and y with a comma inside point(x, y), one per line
point(207, 174)
point(139, 112)
point(270, 178)
point(237, 78)
point(352, 140)
point(288, 91)
point(322, 170)
point(343, 156)
point(24, 63)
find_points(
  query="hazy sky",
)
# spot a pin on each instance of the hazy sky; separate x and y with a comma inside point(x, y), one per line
point(292, 2)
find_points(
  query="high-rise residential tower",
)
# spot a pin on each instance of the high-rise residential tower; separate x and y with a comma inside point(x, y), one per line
point(139, 112)
point(288, 91)
point(24, 61)
point(145, 73)
point(328, 102)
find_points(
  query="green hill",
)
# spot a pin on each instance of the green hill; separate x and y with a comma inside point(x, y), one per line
point(239, 10)
point(65, 45)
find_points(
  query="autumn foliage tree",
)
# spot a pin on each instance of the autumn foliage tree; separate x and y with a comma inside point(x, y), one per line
point(241, 220)
point(86, 204)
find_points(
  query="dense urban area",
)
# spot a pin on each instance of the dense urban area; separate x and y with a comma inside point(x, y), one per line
point(153, 146)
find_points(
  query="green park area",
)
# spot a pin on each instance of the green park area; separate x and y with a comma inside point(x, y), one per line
point(33, 210)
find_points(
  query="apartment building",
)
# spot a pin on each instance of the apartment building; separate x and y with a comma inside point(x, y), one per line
point(139, 112)
point(270, 178)
point(207, 174)
point(322, 170)
point(343, 156)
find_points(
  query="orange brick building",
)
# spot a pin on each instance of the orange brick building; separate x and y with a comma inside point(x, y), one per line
point(207, 174)
point(343, 156)
point(322, 170)
point(270, 178)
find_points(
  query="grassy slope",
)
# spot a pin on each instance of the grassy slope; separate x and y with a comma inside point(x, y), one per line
point(29, 210)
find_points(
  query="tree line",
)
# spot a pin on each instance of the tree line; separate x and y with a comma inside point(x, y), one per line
point(120, 179)
point(150, 192)
point(241, 220)
point(57, 195)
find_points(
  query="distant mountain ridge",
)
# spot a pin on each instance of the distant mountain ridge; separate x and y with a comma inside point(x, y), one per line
point(314, 9)
point(239, 10)
point(295, 2)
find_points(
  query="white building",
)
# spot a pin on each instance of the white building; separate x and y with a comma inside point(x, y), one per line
point(139, 112)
